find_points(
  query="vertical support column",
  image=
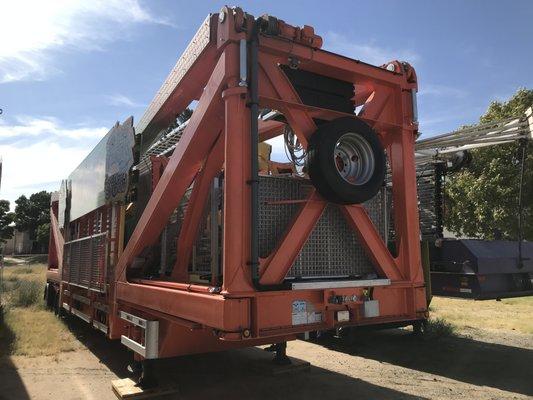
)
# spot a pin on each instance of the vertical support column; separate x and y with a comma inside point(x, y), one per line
point(236, 249)
point(213, 219)
point(406, 205)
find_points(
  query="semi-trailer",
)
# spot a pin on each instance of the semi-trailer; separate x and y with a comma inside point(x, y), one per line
point(189, 239)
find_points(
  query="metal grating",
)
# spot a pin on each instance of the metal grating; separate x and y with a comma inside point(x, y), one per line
point(273, 218)
point(332, 249)
point(85, 262)
point(426, 200)
point(429, 194)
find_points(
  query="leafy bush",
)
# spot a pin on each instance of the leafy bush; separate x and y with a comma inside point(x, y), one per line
point(437, 328)
point(28, 293)
point(10, 283)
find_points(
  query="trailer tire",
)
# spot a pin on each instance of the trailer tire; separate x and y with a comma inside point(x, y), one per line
point(346, 161)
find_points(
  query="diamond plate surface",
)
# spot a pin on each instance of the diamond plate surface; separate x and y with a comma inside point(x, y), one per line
point(185, 62)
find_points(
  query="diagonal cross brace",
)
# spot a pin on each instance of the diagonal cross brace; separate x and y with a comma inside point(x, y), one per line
point(198, 138)
point(374, 247)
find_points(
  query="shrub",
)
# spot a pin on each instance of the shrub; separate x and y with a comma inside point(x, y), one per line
point(10, 283)
point(28, 294)
point(438, 327)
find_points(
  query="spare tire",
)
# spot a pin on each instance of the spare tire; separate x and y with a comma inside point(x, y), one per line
point(345, 161)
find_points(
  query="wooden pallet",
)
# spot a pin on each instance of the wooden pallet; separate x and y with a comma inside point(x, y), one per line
point(128, 389)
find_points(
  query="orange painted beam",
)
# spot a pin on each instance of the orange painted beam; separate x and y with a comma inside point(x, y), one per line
point(195, 209)
point(57, 241)
point(299, 120)
point(270, 129)
point(369, 238)
point(275, 267)
point(198, 138)
point(207, 309)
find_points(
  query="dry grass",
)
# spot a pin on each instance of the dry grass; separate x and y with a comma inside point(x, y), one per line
point(506, 315)
point(29, 329)
point(36, 332)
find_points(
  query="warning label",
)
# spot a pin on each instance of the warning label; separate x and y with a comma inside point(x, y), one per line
point(304, 313)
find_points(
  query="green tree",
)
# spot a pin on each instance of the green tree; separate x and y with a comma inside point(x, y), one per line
point(32, 212)
point(482, 199)
point(6, 221)
point(43, 235)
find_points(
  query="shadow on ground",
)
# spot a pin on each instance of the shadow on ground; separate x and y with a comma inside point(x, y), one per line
point(236, 374)
point(460, 358)
point(11, 386)
point(110, 352)
point(247, 373)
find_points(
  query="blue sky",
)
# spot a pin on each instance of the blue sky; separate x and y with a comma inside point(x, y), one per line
point(70, 69)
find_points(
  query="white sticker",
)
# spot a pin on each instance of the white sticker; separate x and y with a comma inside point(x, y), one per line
point(299, 312)
point(304, 313)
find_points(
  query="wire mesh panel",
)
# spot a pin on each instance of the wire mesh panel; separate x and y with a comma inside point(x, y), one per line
point(426, 200)
point(430, 201)
point(273, 217)
point(332, 249)
point(85, 262)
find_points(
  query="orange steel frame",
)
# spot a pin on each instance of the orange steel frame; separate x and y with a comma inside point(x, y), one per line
point(196, 318)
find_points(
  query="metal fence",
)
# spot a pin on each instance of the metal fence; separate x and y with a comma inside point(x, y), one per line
point(85, 262)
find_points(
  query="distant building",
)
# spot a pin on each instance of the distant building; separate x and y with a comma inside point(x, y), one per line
point(19, 243)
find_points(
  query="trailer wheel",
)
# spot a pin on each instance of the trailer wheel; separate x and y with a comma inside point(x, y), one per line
point(346, 162)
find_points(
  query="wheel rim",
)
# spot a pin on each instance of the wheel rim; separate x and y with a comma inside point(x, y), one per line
point(354, 159)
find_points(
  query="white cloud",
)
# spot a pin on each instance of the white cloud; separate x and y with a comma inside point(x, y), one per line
point(442, 90)
point(368, 53)
point(38, 152)
point(32, 30)
point(122, 100)
point(46, 128)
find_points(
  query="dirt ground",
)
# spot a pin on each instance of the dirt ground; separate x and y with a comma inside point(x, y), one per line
point(484, 351)
point(390, 364)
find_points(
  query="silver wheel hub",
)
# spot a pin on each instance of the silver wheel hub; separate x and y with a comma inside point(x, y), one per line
point(354, 159)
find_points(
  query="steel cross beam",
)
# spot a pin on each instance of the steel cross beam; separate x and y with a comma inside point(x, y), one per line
point(382, 104)
point(197, 139)
point(193, 214)
point(275, 267)
point(57, 241)
point(375, 249)
point(386, 108)
point(299, 120)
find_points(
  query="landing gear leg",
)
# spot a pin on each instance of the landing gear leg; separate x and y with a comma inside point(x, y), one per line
point(281, 354)
point(148, 379)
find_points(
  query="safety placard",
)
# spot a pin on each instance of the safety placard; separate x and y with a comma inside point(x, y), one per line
point(304, 313)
